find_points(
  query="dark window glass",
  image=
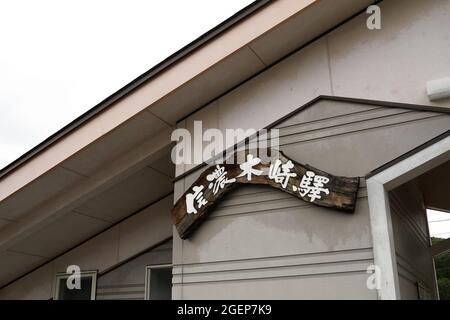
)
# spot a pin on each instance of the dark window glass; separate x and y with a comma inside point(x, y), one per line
point(161, 284)
point(84, 293)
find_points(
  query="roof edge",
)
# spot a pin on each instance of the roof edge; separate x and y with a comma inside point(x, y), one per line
point(136, 83)
point(381, 103)
point(406, 155)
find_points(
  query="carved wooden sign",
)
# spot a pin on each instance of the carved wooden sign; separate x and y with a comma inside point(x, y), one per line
point(303, 181)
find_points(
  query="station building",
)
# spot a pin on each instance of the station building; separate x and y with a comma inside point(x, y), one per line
point(346, 99)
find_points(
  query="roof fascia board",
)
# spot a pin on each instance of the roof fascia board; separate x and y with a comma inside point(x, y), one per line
point(136, 83)
point(144, 93)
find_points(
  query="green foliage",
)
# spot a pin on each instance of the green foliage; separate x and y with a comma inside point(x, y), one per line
point(444, 288)
point(442, 264)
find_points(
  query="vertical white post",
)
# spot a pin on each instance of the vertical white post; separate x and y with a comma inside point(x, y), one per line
point(383, 240)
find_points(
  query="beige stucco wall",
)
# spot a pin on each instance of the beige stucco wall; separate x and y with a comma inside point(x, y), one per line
point(391, 64)
point(262, 243)
point(119, 243)
point(237, 243)
point(127, 281)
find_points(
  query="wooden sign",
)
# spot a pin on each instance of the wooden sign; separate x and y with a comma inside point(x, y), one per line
point(303, 181)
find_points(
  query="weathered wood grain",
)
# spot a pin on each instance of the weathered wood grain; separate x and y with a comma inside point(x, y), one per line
point(342, 190)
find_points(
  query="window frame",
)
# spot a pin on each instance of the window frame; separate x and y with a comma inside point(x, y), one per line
point(148, 274)
point(64, 275)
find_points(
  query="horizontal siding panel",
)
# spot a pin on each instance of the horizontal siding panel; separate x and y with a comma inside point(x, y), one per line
point(267, 203)
point(316, 258)
point(342, 120)
point(131, 291)
point(120, 288)
point(325, 109)
point(124, 296)
point(260, 207)
point(279, 272)
point(236, 233)
point(359, 126)
point(350, 285)
point(267, 194)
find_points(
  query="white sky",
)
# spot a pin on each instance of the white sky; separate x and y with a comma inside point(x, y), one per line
point(60, 58)
point(439, 223)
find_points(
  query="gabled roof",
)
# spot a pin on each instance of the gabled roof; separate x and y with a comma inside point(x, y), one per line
point(82, 160)
point(387, 104)
point(134, 84)
point(160, 95)
point(252, 41)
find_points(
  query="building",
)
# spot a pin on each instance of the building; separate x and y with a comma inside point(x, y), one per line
point(346, 99)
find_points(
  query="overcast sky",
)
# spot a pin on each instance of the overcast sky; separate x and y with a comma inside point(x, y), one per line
point(439, 223)
point(60, 58)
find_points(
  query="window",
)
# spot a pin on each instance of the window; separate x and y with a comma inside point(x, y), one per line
point(158, 282)
point(88, 284)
